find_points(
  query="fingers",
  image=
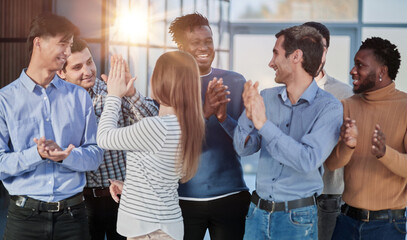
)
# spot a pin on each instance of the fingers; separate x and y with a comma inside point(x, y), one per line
point(115, 188)
point(378, 142)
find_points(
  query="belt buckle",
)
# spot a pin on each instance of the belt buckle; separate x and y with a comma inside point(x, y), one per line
point(367, 219)
point(55, 210)
point(94, 192)
point(21, 202)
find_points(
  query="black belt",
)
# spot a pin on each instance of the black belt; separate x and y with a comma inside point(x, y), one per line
point(272, 206)
point(366, 215)
point(27, 202)
point(96, 192)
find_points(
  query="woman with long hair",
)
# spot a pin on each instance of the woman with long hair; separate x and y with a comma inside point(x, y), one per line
point(162, 150)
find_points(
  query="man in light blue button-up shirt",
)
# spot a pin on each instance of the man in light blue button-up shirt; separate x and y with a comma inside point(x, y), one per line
point(295, 127)
point(47, 140)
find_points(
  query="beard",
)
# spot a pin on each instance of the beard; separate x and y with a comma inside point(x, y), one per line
point(368, 83)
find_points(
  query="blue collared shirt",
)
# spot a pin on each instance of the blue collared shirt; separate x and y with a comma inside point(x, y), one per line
point(62, 112)
point(294, 142)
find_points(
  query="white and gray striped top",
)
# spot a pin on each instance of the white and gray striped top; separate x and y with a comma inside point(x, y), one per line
point(152, 175)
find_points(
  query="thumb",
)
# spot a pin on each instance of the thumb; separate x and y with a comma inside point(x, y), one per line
point(130, 84)
point(104, 77)
point(70, 148)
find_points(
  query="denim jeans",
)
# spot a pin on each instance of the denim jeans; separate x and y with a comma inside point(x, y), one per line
point(329, 207)
point(28, 224)
point(298, 224)
point(348, 228)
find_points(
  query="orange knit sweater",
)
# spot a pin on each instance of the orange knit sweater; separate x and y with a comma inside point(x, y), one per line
point(372, 183)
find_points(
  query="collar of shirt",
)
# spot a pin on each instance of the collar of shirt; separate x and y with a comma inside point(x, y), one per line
point(30, 84)
point(308, 95)
point(321, 82)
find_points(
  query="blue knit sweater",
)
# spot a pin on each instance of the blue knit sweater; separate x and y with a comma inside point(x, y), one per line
point(220, 171)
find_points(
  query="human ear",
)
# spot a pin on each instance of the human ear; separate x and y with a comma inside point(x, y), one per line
point(61, 74)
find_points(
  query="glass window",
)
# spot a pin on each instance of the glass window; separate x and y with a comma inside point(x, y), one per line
point(95, 50)
point(389, 11)
point(157, 33)
point(221, 60)
point(251, 56)
point(337, 61)
point(173, 9)
point(294, 10)
point(188, 6)
point(87, 15)
point(138, 67)
point(396, 36)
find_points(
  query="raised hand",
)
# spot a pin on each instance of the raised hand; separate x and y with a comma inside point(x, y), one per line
point(378, 142)
point(48, 149)
point(249, 91)
point(116, 82)
point(258, 110)
point(216, 100)
point(115, 188)
point(349, 132)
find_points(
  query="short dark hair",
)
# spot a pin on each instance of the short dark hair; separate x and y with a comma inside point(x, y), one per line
point(322, 29)
point(309, 41)
point(185, 23)
point(48, 24)
point(77, 46)
point(385, 52)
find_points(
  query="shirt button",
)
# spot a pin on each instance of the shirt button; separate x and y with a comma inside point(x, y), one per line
point(273, 179)
point(49, 161)
point(45, 98)
point(47, 119)
point(49, 182)
point(287, 125)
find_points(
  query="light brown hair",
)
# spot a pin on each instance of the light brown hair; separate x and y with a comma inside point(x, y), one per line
point(176, 83)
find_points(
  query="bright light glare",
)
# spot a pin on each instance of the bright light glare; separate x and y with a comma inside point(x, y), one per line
point(132, 25)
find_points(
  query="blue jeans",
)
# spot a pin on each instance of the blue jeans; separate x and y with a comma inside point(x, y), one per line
point(299, 223)
point(348, 228)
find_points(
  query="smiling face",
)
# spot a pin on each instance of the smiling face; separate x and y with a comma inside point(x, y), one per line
point(365, 72)
point(280, 63)
point(80, 69)
point(199, 43)
point(54, 51)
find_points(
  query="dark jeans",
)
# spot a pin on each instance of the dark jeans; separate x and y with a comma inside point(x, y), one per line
point(102, 213)
point(4, 202)
point(28, 224)
point(329, 207)
point(348, 228)
point(224, 217)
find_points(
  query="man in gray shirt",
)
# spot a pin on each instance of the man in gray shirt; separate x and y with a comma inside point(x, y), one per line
point(329, 202)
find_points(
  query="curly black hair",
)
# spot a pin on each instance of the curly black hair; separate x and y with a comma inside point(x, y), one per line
point(185, 23)
point(385, 52)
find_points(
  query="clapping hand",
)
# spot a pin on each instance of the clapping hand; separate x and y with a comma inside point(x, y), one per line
point(378, 142)
point(349, 132)
point(48, 149)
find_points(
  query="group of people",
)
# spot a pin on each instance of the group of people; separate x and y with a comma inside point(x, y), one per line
point(170, 165)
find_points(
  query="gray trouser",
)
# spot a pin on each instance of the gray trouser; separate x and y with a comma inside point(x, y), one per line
point(329, 207)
